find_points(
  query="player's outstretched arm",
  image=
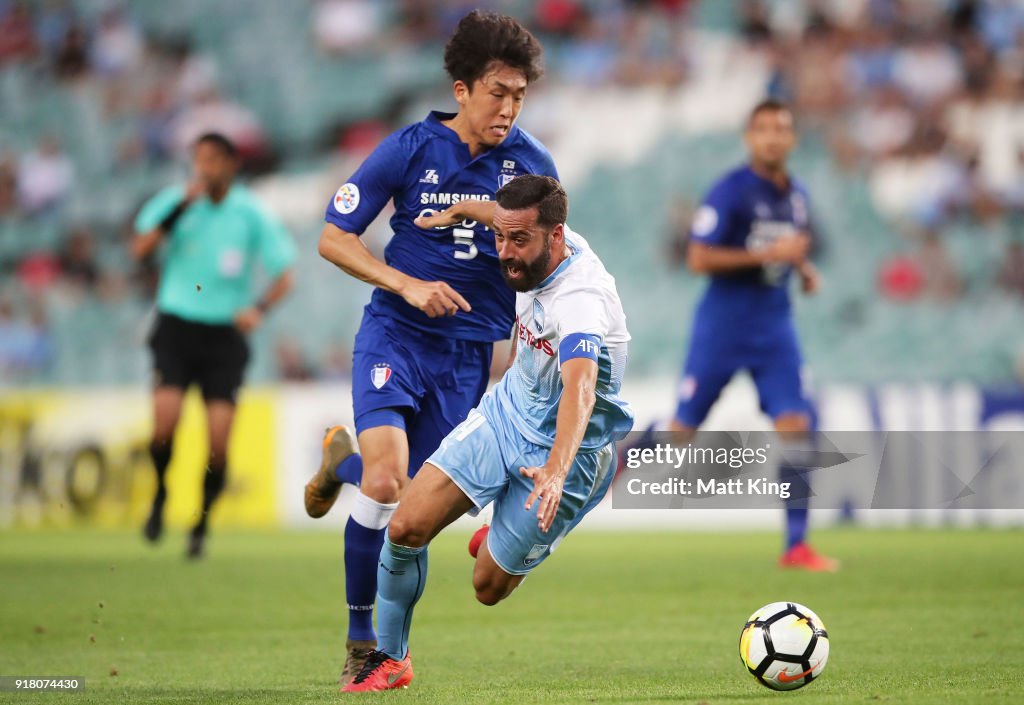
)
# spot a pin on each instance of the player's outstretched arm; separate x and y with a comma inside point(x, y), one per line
point(480, 211)
point(579, 379)
point(346, 251)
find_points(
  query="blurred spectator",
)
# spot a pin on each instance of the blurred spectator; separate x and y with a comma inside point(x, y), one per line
point(591, 57)
point(117, 45)
point(214, 113)
point(754, 25)
point(417, 23)
point(17, 35)
point(927, 70)
point(292, 365)
point(155, 121)
point(1011, 271)
point(44, 176)
point(78, 260)
point(346, 26)
point(900, 279)
point(196, 73)
point(8, 186)
point(1001, 23)
point(38, 271)
point(559, 17)
point(53, 24)
point(883, 125)
point(26, 345)
point(337, 363)
point(942, 282)
point(71, 59)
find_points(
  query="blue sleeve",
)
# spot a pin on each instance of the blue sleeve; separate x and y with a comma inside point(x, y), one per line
point(712, 222)
point(361, 199)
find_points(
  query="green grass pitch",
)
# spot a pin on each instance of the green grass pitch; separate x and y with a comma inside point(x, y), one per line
point(915, 616)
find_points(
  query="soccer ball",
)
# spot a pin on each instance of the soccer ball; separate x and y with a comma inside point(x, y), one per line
point(784, 645)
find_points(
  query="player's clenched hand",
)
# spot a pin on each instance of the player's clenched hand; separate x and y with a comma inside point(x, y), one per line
point(435, 299)
point(547, 487)
point(788, 248)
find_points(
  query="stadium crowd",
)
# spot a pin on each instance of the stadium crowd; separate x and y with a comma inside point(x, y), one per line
point(925, 98)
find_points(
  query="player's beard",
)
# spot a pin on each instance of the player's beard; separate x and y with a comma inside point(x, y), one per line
point(530, 273)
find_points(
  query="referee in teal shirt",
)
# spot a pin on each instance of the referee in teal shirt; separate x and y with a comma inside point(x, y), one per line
point(213, 232)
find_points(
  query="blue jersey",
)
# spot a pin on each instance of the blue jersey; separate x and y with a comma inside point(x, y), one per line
point(747, 211)
point(425, 168)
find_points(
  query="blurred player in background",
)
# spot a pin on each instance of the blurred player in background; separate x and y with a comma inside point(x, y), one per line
point(752, 231)
point(423, 350)
point(541, 443)
point(214, 231)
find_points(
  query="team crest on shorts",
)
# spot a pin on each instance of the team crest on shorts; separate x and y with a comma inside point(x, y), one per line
point(535, 553)
point(380, 374)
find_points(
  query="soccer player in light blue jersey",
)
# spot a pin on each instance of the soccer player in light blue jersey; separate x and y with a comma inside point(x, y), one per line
point(540, 445)
point(423, 351)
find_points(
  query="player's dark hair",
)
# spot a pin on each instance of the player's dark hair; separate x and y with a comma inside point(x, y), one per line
point(484, 37)
point(531, 190)
point(768, 105)
point(220, 141)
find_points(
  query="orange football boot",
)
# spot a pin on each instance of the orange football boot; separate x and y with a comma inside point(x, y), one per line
point(323, 488)
point(803, 557)
point(381, 672)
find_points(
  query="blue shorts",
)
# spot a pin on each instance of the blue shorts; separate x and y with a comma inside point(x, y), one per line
point(483, 459)
point(427, 382)
point(772, 358)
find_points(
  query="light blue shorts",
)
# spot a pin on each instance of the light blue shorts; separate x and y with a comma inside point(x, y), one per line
point(483, 459)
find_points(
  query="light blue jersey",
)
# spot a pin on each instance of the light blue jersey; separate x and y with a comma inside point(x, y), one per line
point(575, 312)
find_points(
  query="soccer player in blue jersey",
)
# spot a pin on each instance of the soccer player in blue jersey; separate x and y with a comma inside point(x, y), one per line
point(750, 234)
point(540, 445)
point(423, 351)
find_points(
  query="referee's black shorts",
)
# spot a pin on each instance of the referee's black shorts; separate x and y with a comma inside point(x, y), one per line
point(213, 356)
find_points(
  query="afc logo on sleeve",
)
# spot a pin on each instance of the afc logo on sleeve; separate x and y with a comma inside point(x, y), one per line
point(586, 347)
point(346, 199)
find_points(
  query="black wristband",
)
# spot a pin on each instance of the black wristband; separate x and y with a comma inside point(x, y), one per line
point(262, 306)
point(171, 218)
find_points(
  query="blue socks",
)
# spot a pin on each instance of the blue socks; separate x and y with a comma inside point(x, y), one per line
point(401, 577)
point(364, 535)
point(350, 469)
point(362, 546)
point(797, 504)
